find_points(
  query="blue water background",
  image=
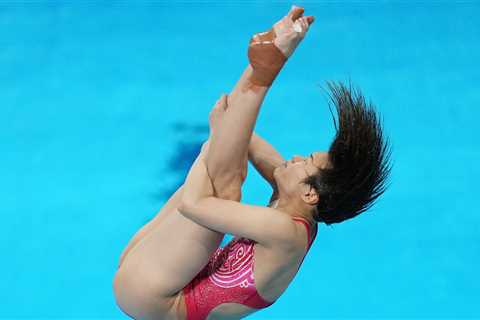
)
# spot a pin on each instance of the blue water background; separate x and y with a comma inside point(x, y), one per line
point(103, 106)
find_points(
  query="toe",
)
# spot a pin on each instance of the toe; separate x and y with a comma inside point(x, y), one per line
point(295, 12)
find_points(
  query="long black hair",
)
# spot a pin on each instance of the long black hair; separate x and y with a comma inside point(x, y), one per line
point(358, 159)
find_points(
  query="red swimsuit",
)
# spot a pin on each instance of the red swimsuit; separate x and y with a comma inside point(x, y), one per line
point(228, 277)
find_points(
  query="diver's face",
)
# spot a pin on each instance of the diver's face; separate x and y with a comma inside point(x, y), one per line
point(290, 175)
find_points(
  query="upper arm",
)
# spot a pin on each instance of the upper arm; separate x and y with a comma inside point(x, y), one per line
point(267, 226)
point(265, 158)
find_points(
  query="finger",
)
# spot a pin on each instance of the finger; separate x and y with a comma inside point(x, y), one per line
point(310, 19)
point(226, 102)
point(295, 13)
point(223, 101)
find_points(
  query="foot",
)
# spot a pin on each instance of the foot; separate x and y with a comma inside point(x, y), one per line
point(291, 29)
point(268, 51)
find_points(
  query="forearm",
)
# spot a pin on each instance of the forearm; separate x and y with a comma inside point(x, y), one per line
point(264, 158)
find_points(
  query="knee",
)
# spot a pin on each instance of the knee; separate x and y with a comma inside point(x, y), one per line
point(228, 181)
point(229, 188)
point(233, 194)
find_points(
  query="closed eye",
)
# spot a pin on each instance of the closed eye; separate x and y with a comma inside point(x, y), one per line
point(312, 162)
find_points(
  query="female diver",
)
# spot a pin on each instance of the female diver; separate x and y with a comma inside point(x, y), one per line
point(173, 268)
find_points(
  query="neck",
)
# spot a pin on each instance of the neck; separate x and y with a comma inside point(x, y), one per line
point(294, 209)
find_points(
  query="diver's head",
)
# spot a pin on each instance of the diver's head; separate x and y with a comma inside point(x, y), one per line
point(345, 181)
point(290, 179)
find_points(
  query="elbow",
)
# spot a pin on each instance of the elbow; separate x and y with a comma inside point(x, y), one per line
point(189, 206)
point(181, 207)
point(186, 205)
point(185, 210)
point(191, 209)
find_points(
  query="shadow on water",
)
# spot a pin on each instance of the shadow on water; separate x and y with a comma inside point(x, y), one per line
point(190, 138)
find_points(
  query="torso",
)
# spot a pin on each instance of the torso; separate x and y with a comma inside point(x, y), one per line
point(273, 271)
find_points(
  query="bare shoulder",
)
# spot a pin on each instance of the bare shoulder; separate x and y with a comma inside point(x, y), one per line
point(290, 241)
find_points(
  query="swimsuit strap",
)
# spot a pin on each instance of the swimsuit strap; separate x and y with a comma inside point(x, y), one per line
point(306, 223)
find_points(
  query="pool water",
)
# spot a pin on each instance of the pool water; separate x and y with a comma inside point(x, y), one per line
point(104, 106)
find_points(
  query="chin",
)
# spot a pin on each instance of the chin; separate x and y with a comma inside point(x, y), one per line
point(276, 174)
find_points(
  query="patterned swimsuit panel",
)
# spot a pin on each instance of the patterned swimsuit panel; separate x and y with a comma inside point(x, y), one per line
point(227, 277)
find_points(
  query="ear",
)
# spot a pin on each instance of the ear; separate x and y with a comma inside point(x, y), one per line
point(309, 195)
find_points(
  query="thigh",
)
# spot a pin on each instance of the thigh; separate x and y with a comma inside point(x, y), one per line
point(162, 264)
point(139, 305)
point(169, 207)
